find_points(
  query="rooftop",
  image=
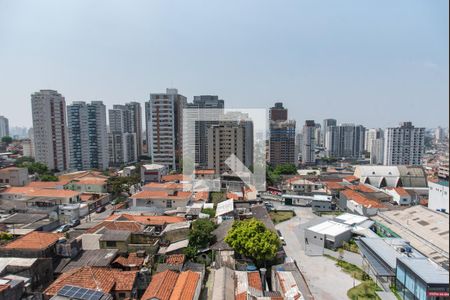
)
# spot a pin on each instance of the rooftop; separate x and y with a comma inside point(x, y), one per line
point(350, 219)
point(35, 240)
point(175, 259)
point(177, 195)
point(47, 184)
point(161, 286)
point(115, 235)
point(131, 261)
point(102, 279)
point(330, 228)
point(361, 199)
point(426, 270)
point(92, 258)
point(146, 220)
point(224, 207)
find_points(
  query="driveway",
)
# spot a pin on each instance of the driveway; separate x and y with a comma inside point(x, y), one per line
point(324, 278)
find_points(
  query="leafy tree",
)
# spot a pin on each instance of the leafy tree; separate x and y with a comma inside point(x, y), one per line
point(48, 177)
point(24, 159)
point(7, 139)
point(190, 252)
point(286, 169)
point(209, 211)
point(217, 197)
point(272, 178)
point(121, 184)
point(5, 236)
point(252, 239)
point(201, 235)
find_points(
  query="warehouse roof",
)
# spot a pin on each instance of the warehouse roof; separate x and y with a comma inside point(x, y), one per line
point(330, 228)
point(426, 270)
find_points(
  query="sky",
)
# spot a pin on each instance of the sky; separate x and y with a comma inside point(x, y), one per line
point(374, 63)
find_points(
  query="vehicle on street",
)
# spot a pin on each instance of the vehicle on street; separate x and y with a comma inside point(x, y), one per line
point(74, 223)
point(63, 228)
point(100, 209)
point(283, 242)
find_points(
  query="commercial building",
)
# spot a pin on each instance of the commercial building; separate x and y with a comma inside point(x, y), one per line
point(404, 145)
point(164, 127)
point(309, 143)
point(4, 126)
point(153, 172)
point(50, 129)
point(14, 176)
point(438, 198)
point(88, 139)
point(204, 102)
point(345, 141)
point(328, 234)
point(392, 176)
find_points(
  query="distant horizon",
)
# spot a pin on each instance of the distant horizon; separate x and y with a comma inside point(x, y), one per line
point(370, 63)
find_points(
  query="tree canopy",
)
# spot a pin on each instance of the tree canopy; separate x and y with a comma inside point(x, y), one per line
point(252, 239)
point(200, 236)
point(121, 184)
point(7, 139)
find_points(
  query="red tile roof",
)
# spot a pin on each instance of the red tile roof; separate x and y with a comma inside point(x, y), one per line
point(351, 178)
point(90, 180)
point(205, 172)
point(47, 184)
point(131, 226)
point(104, 279)
point(185, 286)
point(254, 280)
point(334, 185)
point(131, 261)
point(161, 286)
point(174, 177)
point(361, 188)
point(41, 192)
point(179, 195)
point(361, 199)
point(175, 259)
point(198, 196)
point(35, 240)
point(402, 192)
point(147, 220)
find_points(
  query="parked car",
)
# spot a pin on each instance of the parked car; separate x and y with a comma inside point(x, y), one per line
point(100, 209)
point(63, 228)
point(74, 223)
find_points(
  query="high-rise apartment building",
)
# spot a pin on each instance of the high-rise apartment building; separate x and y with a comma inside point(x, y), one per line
point(318, 135)
point(225, 139)
point(136, 119)
point(88, 139)
point(377, 151)
point(164, 127)
point(4, 126)
point(204, 102)
point(404, 145)
point(278, 112)
point(298, 147)
point(309, 143)
point(372, 134)
point(50, 129)
point(439, 135)
point(122, 136)
point(345, 141)
point(282, 142)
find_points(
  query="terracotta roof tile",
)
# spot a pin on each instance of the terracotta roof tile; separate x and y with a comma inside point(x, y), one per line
point(361, 199)
point(174, 177)
point(130, 226)
point(35, 240)
point(47, 184)
point(254, 280)
point(361, 188)
point(161, 286)
point(402, 192)
point(146, 220)
point(104, 279)
point(175, 259)
point(165, 185)
point(351, 178)
point(41, 192)
point(334, 185)
point(131, 261)
point(185, 286)
point(180, 195)
point(90, 180)
point(205, 172)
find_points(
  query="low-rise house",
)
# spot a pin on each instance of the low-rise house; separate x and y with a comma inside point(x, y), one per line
point(115, 239)
point(38, 195)
point(55, 185)
point(34, 245)
point(174, 262)
point(11, 289)
point(91, 258)
point(153, 172)
point(164, 200)
point(89, 184)
point(286, 279)
point(14, 176)
point(399, 195)
point(133, 262)
point(223, 253)
point(171, 285)
point(322, 203)
point(37, 271)
point(119, 284)
point(176, 231)
point(127, 171)
point(23, 223)
point(303, 186)
point(359, 203)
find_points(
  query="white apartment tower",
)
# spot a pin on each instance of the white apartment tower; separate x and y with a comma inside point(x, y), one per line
point(371, 135)
point(50, 129)
point(88, 139)
point(121, 136)
point(4, 127)
point(404, 145)
point(309, 143)
point(164, 127)
point(377, 151)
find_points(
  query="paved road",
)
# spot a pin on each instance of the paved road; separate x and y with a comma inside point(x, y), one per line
point(350, 257)
point(324, 278)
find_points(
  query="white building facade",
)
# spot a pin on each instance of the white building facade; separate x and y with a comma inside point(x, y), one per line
point(50, 129)
point(438, 198)
point(404, 145)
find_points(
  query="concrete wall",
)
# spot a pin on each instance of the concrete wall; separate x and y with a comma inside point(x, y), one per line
point(438, 197)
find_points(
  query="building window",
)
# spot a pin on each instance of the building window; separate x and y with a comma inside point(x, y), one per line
point(110, 244)
point(169, 203)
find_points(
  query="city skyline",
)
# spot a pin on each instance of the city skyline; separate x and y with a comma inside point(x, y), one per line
point(347, 62)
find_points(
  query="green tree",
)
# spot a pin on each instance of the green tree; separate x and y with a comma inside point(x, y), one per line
point(48, 177)
point(121, 184)
point(7, 139)
point(201, 235)
point(286, 169)
point(190, 252)
point(209, 211)
point(252, 239)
